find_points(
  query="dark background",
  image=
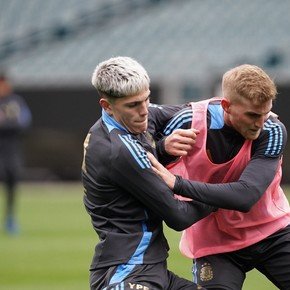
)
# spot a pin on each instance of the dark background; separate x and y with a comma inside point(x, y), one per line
point(61, 119)
point(53, 146)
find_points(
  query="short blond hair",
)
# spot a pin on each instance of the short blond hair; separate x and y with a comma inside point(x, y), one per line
point(250, 82)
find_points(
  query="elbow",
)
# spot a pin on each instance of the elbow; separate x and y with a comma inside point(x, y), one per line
point(244, 209)
point(245, 202)
point(247, 205)
point(177, 228)
point(178, 225)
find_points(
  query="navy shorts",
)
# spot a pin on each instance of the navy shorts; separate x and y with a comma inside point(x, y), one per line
point(142, 277)
point(270, 256)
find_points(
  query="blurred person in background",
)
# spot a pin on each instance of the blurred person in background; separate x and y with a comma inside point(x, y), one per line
point(15, 117)
point(126, 200)
point(234, 164)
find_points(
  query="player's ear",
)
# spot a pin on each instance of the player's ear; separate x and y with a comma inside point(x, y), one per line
point(225, 103)
point(106, 105)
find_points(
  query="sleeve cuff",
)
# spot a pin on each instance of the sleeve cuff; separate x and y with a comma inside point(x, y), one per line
point(177, 184)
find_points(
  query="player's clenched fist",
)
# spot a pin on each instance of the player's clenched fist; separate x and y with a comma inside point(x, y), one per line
point(180, 142)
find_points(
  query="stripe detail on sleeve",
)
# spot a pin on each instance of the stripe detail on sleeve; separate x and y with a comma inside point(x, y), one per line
point(136, 151)
point(177, 122)
point(275, 143)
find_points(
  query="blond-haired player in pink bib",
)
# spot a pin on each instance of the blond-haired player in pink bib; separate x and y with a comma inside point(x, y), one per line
point(231, 154)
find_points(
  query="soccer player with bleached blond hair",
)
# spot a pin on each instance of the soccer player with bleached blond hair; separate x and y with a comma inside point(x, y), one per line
point(126, 200)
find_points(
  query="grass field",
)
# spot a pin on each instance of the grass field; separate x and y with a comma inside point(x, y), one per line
point(55, 245)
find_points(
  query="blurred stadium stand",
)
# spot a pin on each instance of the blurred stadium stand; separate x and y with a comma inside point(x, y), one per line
point(50, 49)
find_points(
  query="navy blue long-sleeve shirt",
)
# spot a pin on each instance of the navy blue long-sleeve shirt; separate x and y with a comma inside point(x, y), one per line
point(126, 200)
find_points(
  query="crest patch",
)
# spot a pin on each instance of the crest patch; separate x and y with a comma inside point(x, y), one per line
point(206, 272)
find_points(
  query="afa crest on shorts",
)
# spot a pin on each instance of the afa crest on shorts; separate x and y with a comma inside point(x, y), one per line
point(206, 272)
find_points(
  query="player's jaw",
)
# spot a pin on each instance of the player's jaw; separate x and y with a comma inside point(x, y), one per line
point(137, 126)
point(252, 134)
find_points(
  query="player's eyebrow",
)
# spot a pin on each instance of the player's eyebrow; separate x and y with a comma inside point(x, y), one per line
point(255, 114)
point(138, 101)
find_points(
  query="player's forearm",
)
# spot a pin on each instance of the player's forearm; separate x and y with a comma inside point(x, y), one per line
point(239, 196)
point(187, 213)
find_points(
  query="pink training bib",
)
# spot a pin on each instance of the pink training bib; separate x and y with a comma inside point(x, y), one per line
point(227, 230)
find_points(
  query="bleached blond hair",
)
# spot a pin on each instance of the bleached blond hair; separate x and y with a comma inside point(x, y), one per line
point(119, 77)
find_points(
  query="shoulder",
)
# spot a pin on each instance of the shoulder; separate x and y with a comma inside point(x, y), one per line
point(131, 150)
point(17, 98)
point(120, 147)
point(181, 120)
point(165, 109)
point(274, 125)
point(159, 115)
point(273, 137)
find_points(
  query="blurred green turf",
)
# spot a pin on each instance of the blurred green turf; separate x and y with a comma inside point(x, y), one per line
point(55, 245)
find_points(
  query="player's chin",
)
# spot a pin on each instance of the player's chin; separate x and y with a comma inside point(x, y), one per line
point(253, 135)
point(139, 129)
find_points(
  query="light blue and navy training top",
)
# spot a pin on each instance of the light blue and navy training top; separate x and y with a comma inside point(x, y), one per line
point(126, 200)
